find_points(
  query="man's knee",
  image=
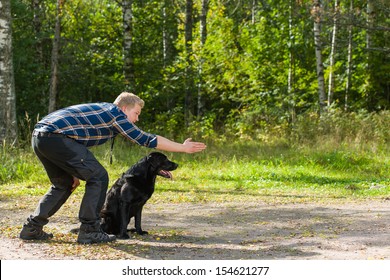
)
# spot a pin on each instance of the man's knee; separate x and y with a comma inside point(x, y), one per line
point(100, 175)
point(104, 177)
point(63, 182)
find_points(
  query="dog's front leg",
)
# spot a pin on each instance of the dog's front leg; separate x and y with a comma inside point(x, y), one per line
point(137, 219)
point(124, 220)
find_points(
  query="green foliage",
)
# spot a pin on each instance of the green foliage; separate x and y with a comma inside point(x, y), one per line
point(240, 73)
point(31, 55)
point(91, 60)
point(360, 130)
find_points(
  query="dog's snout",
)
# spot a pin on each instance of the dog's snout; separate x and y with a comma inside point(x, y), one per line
point(174, 165)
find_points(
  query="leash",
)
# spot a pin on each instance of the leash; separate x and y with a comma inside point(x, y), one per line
point(112, 148)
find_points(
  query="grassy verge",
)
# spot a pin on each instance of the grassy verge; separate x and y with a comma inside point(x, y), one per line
point(230, 172)
point(239, 172)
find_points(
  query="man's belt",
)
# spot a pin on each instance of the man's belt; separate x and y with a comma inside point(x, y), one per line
point(37, 133)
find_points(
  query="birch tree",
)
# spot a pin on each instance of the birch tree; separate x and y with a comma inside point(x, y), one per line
point(38, 16)
point(188, 72)
point(349, 57)
point(37, 24)
point(370, 28)
point(53, 91)
point(290, 78)
point(253, 12)
point(128, 60)
point(165, 36)
point(8, 124)
point(203, 37)
point(316, 13)
point(333, 53)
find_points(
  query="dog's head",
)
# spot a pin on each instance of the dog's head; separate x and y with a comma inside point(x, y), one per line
point(161, 164)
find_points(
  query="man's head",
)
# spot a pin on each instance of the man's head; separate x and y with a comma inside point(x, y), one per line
point(130, 104)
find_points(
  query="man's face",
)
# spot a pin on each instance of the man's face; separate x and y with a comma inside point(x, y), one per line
point(132, 113)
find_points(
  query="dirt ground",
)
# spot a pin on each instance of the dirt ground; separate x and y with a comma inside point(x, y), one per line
point(337, 231)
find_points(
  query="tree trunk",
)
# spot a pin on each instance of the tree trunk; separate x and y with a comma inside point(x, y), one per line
point(203, 37)
point(253, 12)
point(37, 23)
point(333, 53)
point(8, 123)
point(165, 36)
point(370, 25)
point(128, 60)
point(188, 112)
point(290, 78)
point(349, 58)
point(53, 91)
point(168, 36)
point(37, 6)
point(203, 21)
point(316, 12)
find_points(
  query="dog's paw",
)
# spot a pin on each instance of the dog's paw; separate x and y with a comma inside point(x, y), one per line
point(140, 232)
point(123, 236)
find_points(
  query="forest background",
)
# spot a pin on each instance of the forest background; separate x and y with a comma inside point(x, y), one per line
point(291, 96)
point(264, 70)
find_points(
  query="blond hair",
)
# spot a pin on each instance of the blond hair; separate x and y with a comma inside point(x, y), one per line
point(128, 99)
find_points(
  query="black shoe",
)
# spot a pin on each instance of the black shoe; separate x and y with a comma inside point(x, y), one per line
point(30, 232)
point(91, 235)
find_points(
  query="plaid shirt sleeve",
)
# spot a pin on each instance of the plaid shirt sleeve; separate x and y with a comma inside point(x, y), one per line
point(133, 133)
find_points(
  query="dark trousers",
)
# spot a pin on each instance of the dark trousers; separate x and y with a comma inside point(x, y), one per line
point(63, 158)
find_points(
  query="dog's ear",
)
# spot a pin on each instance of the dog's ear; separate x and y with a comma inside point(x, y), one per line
point(154, 159)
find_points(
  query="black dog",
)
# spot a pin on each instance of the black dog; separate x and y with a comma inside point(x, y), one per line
point(129, 194)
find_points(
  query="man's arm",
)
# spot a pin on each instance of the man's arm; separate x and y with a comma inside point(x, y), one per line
point(188, 146)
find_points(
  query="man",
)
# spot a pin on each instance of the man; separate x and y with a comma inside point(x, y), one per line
point(61, 141)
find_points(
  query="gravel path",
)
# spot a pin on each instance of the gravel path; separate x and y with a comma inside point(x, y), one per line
point(349, 231)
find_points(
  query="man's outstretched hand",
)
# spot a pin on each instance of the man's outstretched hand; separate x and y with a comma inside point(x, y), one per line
point(188, 146)
point(193, 147)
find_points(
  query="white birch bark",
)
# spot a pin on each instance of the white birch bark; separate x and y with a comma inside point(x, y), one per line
point(253, 11)
point(188, 112)
point(290, 78)
point(37, 23)
point(333, 53)
point(53, 90)
point(128, 60)
point(203, 37)
point(316, 12)
point(8, 122)
point(165, 36)
point(349, 58)
point(370, 27)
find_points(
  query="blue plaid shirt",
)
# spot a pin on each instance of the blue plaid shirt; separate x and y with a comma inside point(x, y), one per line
point(93, 124)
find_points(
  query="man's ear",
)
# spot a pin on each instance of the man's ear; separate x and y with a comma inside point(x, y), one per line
point(123, 108)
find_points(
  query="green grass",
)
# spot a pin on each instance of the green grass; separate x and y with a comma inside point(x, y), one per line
point(239, 171)
point(226, 172)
